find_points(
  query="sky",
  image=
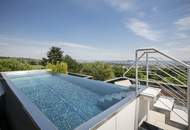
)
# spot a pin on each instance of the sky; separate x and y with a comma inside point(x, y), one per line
point(94, 29)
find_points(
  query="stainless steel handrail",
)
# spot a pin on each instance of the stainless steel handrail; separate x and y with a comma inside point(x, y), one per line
point(171, 68)
point(170, 87)
point(178, 71)
point(152, 81)
point(172, 58)
point(175, 66)
point(169, 81)
point(133, 65)
point(172, 94)
point(170, 65)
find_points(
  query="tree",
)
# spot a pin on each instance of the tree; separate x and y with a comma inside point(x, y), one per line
point(55, 54)
point(73, 65)
point(13, 65)
point(118, 70)
point(44, 61)
point(99, 70)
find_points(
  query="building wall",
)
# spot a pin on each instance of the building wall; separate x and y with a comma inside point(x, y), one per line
point(125, 119)
point(21, 114)
point(143, 108)
point(17, 117)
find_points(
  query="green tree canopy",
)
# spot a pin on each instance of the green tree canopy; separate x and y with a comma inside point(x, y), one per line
point(13, 65)
point(73, 65)
point(118, 70)
point(55, 54)
point(99, 70)
point(44, 61)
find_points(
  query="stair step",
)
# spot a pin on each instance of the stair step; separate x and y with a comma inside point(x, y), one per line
point(119, 96)
point(158, 119)
point(111, 99)
point(165, 103)
point(126, 83)
point(151, 92)
point(179, 115)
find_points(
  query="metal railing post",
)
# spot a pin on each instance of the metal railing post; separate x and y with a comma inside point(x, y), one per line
point(148, 79)
point(136, 67)
point(136, 123)
point(188, 97)
point(147, 69)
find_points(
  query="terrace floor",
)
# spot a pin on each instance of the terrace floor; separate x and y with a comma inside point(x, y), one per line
point(158, 119)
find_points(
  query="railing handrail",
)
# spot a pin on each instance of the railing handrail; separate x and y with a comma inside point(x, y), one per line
point(177, 68)
point(170, 57)
point(177, 63)
point(154, 81)
point(171, 69)
point(132, 65)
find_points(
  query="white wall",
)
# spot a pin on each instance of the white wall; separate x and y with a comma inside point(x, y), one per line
point(125, 119)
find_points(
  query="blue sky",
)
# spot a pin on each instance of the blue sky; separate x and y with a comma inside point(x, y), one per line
point(94, 29)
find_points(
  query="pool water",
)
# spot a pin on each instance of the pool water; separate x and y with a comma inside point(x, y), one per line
point(69, 101)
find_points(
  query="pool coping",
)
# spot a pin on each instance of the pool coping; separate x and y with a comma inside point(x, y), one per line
point(44, 123)
point(80, 75)
point(46, 70)
point(104, 116)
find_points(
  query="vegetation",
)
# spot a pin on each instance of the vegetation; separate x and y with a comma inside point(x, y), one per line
point(44, 61)
point(55, 54)
point(59, 67)
point(13, 65)
point(118, 70)
point(98, 70)
point(73, 65)
point(23, 60)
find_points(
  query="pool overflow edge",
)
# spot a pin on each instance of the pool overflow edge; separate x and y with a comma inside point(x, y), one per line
point(41, 122)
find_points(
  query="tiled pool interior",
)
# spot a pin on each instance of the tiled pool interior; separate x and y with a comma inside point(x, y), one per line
point(69, 101)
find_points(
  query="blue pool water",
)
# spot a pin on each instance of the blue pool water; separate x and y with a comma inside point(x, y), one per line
point(69, 101)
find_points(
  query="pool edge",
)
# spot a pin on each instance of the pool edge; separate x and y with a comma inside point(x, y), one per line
point(35, 115)
point(92, 124)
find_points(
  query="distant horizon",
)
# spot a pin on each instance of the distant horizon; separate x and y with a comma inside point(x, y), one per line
point(94, 30)
point(81, 61)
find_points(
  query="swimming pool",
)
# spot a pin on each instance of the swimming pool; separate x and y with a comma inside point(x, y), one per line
point(68, 101)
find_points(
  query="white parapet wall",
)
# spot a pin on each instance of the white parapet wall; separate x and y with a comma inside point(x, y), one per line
point(123, 115)
point(125, 119)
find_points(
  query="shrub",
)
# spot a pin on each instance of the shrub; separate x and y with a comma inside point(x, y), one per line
point(13, 65)
point(118, 70)
point(59, 67)
point(73, 65)
point(98, 70)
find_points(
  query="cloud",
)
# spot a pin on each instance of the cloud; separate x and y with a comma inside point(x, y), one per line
point(141, 14)
point(87, 52)
point(183, 23)
point(182, 53)
point(3, 44)
point(142, 29)
point(16, 47)
point(121, 5)
point(155, 9)
point(75, 45)
point(181, 35)
point(178, 48)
